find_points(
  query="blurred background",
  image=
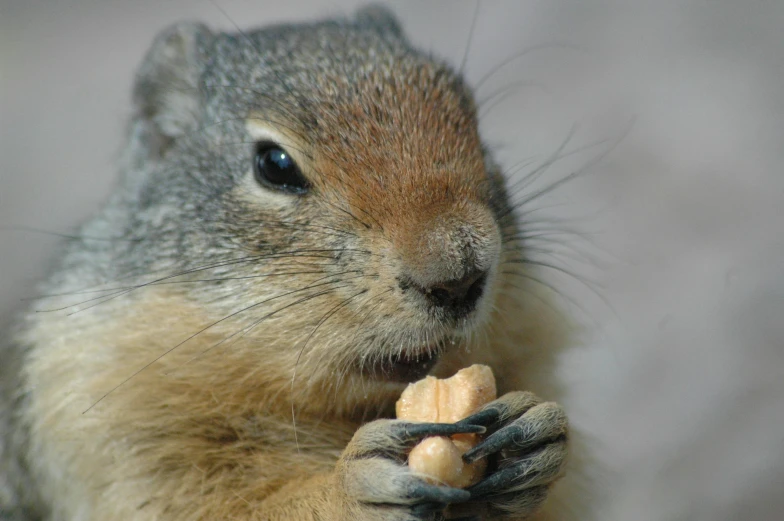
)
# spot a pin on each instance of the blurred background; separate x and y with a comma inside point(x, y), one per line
point(674, 117)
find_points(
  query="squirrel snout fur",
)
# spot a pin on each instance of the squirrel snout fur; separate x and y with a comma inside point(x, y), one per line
point(447, 254)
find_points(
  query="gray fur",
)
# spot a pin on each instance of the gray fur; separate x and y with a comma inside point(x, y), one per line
point(18, 498)
point(187, 149)
point(176, 169)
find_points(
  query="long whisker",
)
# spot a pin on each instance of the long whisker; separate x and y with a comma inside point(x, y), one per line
point(121, 292)
point(323, 320)
point(498, 97)
point(220, 279)
point(170, 350)
point(303, 253)
point(517, 56)
point(554, 185)
point(31, 229)
point(470, 38)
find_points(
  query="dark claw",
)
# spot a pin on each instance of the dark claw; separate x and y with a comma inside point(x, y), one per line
point(502, 479)
point(436, 494)
point(486, 417)
point(514, 434)
point(427, 508)
point(499, 480)
point(413, 431)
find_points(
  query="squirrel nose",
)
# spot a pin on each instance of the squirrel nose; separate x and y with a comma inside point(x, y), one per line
point(456, 297)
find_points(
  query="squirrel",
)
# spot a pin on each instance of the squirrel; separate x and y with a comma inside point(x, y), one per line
point(307, 220)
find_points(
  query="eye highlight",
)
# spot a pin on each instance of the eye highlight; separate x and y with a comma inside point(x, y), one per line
point(274, 168)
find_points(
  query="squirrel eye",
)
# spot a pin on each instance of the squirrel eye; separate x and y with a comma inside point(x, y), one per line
point(274, 168)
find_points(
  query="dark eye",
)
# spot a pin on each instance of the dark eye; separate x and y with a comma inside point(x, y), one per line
point(275, 169)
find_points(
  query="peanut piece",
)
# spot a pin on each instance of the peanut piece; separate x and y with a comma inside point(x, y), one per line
point(438, 459)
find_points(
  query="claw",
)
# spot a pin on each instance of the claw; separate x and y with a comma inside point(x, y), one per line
point(427, 508)
point(539, 467)
point(437, 494)
point(480, 451)
point(541, 424)
point(514, 434)
point(499, 412)
point(498, 481)
point(485, 417)
point(420, 430)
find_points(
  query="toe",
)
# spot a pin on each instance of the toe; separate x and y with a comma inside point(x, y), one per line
point(541, 424)
point(538, 468)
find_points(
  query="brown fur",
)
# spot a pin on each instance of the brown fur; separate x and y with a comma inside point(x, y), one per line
point(188, 429)
point(246, 421)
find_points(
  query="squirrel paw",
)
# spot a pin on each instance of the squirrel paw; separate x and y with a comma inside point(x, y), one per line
point(379, 485)
point(527, 449)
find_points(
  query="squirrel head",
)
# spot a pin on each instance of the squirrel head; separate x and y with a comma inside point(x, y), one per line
point(327, 185)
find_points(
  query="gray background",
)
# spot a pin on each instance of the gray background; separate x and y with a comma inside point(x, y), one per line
point(680, 376)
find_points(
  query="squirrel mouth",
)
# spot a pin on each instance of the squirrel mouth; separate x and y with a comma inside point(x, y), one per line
point(409, 365)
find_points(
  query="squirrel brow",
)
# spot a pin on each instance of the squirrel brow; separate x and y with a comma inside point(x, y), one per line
point(255, 47)
point(284, 108)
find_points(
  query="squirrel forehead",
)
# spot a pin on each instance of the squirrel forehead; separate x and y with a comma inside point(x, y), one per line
point(414, 122)
point(368, 109)
point(392, 116)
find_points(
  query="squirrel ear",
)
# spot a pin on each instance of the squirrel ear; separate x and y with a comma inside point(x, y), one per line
point(166, 94)
point(381, 18)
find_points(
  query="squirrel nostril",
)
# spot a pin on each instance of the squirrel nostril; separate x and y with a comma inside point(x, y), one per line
point(458, 297)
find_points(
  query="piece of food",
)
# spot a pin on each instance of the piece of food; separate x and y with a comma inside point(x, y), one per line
point(438, 459)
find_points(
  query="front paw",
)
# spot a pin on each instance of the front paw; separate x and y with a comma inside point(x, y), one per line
point(527, 451)
point(376, 482)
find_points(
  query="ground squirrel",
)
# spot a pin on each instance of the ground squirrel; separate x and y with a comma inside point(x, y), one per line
point(307, 220)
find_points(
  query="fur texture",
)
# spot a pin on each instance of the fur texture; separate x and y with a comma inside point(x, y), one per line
point(214, 352)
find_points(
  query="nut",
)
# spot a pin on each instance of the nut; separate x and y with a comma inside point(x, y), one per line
point(438, 459)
